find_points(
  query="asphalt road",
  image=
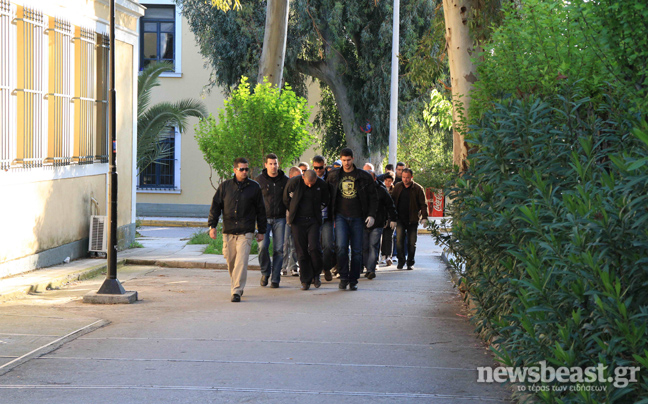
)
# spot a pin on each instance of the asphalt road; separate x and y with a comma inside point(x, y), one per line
point(401, 338)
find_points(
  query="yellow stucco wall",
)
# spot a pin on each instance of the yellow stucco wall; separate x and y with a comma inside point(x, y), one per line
point(39, 214)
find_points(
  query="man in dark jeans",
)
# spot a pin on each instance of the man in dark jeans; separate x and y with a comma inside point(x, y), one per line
point(273, 181)
point(240, 201)
point(386, 213)
point(409, 199)
point(328, 235)
point(305, 196)
point(354, 203)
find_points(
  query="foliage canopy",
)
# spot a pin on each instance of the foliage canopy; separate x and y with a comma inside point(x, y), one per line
point(253, 124)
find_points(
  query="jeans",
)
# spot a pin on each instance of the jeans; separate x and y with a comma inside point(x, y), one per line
point(349, 231)
point(306, 232)
point(371, 248)
point(273, 269)
point(406, 233)
point(290, 255)
point(328, 244)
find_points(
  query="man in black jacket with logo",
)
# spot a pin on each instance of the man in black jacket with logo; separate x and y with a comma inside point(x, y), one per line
point(386, 213)
point(305, 196)
point(273, 181)
point(353, 205)
point(240, 201)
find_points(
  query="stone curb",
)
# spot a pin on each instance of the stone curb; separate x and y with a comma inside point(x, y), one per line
point(59, 281)
point(172, 223)
point(183, 264)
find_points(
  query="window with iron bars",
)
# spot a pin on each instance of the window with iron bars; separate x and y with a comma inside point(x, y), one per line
point(53, 91)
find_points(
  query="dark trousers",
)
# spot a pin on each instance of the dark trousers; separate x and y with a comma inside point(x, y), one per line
point(406, 235)
point(387, 246)
point(306, 233)
point(328, 244)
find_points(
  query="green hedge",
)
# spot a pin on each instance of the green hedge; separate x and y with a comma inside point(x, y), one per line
point(550, 234)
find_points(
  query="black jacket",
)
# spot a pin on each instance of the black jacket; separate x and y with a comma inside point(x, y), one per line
point(296, 185)
point(273, 193)
point(241, 205)
point(418, 205)
point(386, 208)
point(366, 191)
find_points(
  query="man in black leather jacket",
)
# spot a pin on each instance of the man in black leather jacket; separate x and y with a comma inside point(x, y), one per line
point(240, 201)
point(353, 207)
point(305, 197)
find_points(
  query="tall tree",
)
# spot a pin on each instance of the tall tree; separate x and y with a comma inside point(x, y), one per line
point(274, 42)
point(345, 45)
point(461, 48)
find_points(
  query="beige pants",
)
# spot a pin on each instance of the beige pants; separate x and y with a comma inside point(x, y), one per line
point(236, 250)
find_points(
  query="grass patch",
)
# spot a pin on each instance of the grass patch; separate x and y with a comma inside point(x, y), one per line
point(136, 244)
point(216, 246)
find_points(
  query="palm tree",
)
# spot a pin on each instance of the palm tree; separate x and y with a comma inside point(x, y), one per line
point(153, 122)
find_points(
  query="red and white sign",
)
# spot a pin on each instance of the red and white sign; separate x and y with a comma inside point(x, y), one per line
point(436, 202)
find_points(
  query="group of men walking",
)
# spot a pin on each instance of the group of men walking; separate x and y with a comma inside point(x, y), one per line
point(325, 214)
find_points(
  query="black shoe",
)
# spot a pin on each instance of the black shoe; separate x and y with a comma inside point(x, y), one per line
point(410, 267)
point(328, 276)
point(274, 285)
point(343, 284)
point(305, 286)
point(264, 280)
point(236, 298)
point(400, 266)
point(317, 282)
point(370, 275)
point(353, 286)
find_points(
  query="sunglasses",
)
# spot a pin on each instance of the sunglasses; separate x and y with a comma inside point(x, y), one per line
point(318, 167)
point(243, 169)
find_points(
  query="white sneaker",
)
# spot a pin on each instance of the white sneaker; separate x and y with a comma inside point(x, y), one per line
point(294, 272)
point(284, 272)
point(389, 262)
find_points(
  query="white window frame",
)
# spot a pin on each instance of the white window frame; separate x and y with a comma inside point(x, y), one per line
point(176, 170)
point(178, 35)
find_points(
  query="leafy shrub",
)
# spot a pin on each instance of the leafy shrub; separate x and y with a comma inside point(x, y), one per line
point(550, 234)
point(252, 125)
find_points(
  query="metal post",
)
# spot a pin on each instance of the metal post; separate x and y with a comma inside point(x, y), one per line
point(112, 285)
point(393, 105)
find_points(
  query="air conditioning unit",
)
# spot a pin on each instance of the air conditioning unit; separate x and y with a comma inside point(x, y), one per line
point(98, 233)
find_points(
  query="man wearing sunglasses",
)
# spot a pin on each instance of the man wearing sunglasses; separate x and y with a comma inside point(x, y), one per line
point(240, 201)
point(327, 231)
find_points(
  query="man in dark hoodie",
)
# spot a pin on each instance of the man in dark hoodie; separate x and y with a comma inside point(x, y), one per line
point(305, 197)
point(273, 181)
point(240, 201)
point(386, 213)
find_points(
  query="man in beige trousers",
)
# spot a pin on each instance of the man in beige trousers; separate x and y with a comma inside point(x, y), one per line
point(240, 201)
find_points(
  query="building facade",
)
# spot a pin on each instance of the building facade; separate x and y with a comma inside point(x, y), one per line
point(54, 127)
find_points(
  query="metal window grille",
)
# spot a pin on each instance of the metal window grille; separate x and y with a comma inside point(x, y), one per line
point(84, 96)
point(103, 63)
point(7, 82)
point(161, 174)
point(60, 93)
point(30, 88)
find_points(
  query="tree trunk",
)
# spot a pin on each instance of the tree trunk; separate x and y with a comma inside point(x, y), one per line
point(462, 70)
point(326, 73)
point(274, 42)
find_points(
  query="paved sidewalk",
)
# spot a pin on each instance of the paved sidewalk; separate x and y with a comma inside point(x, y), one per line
point(401, 338)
